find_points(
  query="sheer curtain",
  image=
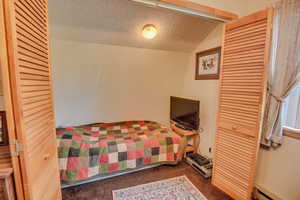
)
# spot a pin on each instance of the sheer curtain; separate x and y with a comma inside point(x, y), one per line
point(291, 109)
point(284, 69)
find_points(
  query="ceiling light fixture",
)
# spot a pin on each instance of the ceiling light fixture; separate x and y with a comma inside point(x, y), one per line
point(149, 31)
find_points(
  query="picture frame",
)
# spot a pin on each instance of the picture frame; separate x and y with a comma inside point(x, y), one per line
point(3, 129)
point(208, 64)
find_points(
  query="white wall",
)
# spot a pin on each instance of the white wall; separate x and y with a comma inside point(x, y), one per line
point(278, 171)
point(204, 90)
point(103, 83)
point(256, 5)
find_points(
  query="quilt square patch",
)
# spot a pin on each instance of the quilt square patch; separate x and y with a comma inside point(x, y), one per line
point(139, 162)
point(131, 154)
point(93, 161)
point(147, 152)
point(113, 167)
point(155, 150)
point(74, 152)
point(93, 171)
point(82, 173)
point(147, 160)
point(83, 162)
point(123, 165)
point(94, 152)
point(162, 157)
point(112, 147)
point(63, 163)
point(103, 169)
point(131, 164)
point(122, 147)
point(72, 163)
point(63, 152)
point(122, 156)
point(113, 157)
point(103, 159)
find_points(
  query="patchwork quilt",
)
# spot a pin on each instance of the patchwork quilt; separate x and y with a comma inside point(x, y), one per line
point(90, 150)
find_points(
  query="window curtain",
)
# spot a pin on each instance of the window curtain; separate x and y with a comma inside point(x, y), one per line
point(291, 109)
point(284, 68)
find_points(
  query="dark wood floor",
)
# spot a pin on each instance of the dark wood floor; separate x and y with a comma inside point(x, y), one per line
point(102, 190)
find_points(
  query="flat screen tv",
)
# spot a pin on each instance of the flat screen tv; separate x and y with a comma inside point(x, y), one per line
point(185, 112)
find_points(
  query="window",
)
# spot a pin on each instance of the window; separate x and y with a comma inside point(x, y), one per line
point(291, 112)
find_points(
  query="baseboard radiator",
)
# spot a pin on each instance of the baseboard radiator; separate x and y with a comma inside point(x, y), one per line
point(261, 193)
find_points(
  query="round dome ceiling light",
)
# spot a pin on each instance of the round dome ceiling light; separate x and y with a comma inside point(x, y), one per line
point(149, 31)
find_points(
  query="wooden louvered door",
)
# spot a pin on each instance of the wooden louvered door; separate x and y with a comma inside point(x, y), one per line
point(244, 62)
point(31, 88)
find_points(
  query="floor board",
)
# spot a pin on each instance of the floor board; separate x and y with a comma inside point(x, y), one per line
point(102, 190)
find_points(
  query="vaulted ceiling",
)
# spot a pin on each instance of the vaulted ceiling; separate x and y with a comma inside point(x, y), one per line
point(119, 22)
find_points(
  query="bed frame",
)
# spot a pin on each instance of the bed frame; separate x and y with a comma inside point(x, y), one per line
point(111, 175)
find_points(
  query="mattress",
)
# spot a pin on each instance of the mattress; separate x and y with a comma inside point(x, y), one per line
point(91, 150)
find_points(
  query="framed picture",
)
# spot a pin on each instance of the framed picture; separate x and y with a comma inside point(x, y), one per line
point(3, 129)
point(208, 64)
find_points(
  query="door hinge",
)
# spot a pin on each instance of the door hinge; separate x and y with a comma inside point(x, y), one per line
point(18, 147)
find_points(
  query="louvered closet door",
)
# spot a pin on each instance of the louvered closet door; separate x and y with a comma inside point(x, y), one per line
point(244, 60)
point(30, 73)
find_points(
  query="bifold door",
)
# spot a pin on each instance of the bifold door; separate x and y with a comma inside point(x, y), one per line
point(30, 75)
point(245, 56)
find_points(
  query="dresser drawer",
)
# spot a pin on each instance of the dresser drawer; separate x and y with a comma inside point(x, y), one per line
point(236, 127)
point(7, 191)
point(2, 189)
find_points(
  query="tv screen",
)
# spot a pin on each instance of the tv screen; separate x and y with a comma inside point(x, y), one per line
point(185, 112)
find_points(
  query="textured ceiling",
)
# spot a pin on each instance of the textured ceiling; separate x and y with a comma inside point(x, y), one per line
point(119, 22)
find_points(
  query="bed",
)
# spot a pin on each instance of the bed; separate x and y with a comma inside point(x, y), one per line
point(108, 148)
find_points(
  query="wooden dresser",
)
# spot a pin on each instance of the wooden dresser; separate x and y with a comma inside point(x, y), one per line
point(7, 191)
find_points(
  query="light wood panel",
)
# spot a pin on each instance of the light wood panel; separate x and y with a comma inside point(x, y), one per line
point(243, 84)
point(192, 5)
point(291, 133)
point(5, 159)
point(30, 73)
point(5, 77)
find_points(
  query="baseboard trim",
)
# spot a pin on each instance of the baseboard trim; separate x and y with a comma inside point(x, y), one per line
point(262, 193)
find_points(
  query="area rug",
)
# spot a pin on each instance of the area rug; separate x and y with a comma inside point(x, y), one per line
point(178, 188)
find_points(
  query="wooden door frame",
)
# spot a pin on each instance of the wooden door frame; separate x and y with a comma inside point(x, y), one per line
point(8, 102)
point(226, 15)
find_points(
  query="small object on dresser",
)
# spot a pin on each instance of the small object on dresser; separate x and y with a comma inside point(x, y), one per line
point(200, 164)
point(7, 191)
